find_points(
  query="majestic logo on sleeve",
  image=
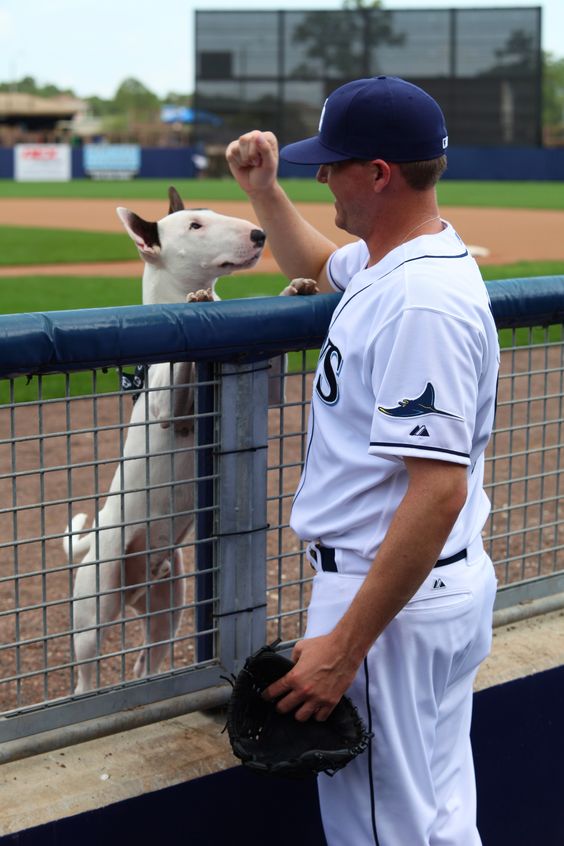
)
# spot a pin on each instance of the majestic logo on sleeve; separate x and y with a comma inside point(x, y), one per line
point(330, 363)
point(425, 404)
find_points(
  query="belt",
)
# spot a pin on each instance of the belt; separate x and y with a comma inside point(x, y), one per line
point(327, 558)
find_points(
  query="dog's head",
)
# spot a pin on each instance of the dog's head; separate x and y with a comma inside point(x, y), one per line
point(195, 246)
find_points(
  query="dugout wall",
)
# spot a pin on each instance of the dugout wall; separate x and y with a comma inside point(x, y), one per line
point(274, 69)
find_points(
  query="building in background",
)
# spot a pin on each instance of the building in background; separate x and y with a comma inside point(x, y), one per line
point(27, 118)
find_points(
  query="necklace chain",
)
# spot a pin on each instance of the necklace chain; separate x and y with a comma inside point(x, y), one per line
point(415, 228)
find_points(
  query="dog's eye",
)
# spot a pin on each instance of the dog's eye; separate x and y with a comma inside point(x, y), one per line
point(195, 225)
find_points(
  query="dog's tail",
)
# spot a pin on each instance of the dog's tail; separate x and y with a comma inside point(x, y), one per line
point(80, 545)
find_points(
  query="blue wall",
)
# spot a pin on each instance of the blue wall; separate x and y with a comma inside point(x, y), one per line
point(156, 163)
point(517, 735)
point(6, 163)
point(516, 163)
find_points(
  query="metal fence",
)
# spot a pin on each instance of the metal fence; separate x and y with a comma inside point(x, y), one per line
point(185, 547)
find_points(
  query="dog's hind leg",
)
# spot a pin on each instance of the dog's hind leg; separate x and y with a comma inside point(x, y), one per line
point(162, 602)
point(96, 602)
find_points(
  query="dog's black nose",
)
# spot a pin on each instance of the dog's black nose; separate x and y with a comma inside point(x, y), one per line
point(258, 237)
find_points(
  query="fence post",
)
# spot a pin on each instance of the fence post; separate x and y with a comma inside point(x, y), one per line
point(204, 523)
point(242, 509)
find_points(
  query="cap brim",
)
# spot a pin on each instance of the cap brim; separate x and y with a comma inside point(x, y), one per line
point(310, 152)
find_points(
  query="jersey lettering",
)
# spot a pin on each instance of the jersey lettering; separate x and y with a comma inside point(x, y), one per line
point(331, 361)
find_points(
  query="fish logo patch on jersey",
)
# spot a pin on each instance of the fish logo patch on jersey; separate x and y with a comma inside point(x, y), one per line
point(425, 404)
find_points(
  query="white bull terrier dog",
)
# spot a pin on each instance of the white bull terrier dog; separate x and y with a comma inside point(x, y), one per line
point(132, 555)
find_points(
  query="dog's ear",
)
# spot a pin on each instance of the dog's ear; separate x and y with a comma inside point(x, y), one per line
point(144, 233)
point(175, 200)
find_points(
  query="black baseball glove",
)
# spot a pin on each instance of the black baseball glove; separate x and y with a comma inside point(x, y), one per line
point(278, 744)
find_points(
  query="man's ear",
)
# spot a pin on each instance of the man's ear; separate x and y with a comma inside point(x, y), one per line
point(144, 233)
point(381, 173)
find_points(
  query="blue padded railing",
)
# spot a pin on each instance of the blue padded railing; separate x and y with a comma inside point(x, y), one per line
point(232, 330)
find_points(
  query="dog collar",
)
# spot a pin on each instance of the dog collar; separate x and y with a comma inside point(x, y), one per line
point(133, 381)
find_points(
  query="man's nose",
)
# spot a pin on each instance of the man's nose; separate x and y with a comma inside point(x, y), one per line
point(321, 174)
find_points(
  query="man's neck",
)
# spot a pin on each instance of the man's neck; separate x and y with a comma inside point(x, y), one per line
point(395, 229)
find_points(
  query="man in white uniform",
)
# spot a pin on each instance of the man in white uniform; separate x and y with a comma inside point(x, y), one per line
point(391, 498)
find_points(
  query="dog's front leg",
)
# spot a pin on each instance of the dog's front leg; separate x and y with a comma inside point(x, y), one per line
point(171, 395)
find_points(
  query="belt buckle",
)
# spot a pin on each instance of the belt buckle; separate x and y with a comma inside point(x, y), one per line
point(313, 555)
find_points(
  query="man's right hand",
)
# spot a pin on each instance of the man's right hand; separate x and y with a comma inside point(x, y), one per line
point(253, 160)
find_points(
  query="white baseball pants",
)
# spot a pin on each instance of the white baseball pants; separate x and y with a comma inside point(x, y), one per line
point(415, 784)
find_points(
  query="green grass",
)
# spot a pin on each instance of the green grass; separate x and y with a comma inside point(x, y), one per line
point(56, 293)
point(522, 269)
point(487, 194)
point(503, 195)
point(31, 245)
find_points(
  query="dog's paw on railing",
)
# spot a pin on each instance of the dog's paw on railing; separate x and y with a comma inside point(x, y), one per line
point(300, 287)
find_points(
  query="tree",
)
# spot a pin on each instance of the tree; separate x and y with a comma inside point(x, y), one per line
point(344, 42)
point(553, 92)
point(28, 85)
point(133, 100)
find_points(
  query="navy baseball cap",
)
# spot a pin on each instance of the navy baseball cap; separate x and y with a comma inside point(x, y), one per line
point(379, 118)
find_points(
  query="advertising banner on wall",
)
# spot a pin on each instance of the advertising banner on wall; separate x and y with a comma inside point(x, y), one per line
point(111, 161)
point(42, 163)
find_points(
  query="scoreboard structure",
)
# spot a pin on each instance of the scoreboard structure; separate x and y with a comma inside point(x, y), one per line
point(274, 69)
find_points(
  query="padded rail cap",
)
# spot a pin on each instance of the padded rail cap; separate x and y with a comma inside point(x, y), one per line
point(230, 330)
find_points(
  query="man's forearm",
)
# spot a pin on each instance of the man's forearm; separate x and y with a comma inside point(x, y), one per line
point(299, 249)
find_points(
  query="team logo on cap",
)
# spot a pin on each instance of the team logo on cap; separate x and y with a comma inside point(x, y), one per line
point(322, 116)
point(425, 404)
point(445, 142)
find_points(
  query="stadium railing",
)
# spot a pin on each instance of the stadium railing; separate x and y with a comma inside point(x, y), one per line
point(63, 423)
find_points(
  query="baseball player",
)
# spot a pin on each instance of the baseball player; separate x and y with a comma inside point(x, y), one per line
point(391, 499)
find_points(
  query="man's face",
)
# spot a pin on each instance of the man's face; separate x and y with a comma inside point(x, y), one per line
point(350, 182)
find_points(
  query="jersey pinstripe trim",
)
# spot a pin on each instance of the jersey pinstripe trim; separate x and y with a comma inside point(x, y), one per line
point(372, 791)
point(336, 314)
point(304, 471)
point(332, 279)
point(339, 287)
point(418, 258)
point(372, 281)
point(419, 448)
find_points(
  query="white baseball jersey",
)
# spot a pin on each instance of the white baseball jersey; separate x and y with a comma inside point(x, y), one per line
point(414, 341)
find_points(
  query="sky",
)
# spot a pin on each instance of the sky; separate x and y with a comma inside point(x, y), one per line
point(91, 46)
